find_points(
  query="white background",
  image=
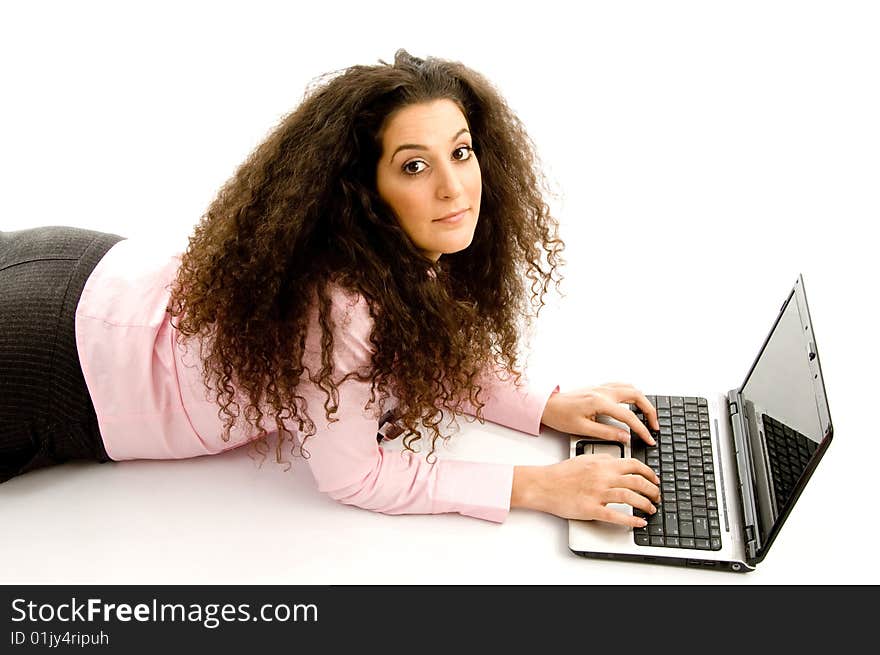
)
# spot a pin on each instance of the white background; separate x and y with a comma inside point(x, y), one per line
point(701, 155)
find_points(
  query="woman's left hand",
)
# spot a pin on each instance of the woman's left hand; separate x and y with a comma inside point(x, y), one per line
point(576, 412)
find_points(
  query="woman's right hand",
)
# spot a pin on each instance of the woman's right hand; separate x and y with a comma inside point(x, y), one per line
point(581, 488)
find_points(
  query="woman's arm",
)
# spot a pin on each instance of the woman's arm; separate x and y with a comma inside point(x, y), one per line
point(581, 487)
point(351, 467)
point(518, 408)
point(571, 412)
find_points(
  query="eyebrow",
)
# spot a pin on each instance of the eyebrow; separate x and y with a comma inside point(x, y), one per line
point(416, 146)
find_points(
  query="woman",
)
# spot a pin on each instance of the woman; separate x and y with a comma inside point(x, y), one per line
point(365, 268)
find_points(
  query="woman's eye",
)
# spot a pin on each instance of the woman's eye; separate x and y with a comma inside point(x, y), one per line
point(407, 169)
point(466, 149)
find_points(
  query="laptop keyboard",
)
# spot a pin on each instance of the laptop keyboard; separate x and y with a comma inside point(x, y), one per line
point(687, 516)
point(789, 453)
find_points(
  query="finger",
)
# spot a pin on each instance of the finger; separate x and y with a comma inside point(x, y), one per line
point(613, 516)
point(635, 467)
point(630, 497)
point(640, 485)
point(629, 394)
point(593, 428)
point(647, 408)
point(625, 415)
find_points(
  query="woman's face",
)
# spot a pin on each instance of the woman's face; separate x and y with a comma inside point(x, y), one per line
point(428, 171)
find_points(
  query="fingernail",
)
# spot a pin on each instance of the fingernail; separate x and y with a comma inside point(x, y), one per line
point(642, 523)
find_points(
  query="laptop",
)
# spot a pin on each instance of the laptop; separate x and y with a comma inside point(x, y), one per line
point(731, 465)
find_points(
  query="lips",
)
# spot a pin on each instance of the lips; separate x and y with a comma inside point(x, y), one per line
point(452, 215)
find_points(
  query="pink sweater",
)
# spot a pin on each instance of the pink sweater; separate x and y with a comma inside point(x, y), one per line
point(151, 402)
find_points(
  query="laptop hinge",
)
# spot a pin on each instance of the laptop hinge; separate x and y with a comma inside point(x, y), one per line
point(745, 475)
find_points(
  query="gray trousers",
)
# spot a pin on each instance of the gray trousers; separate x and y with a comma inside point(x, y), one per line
point(46, 414)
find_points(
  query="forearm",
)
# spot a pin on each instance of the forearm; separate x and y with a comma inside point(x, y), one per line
point(518, 408)
point(405, 483)
point(525, 491)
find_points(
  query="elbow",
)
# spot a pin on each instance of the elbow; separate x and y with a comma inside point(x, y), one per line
point(390, 482)
point(365, 494)
point(384, 488)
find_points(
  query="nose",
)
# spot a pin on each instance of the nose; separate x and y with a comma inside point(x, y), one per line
point(448, 183)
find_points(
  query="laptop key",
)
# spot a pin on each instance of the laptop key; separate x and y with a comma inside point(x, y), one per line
point(643, 539)
point(702, 544)
point(639, 450)
point(701, 527)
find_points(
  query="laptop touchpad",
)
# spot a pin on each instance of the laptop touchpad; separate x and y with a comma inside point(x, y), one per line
point(604, 448)
point(590, 447)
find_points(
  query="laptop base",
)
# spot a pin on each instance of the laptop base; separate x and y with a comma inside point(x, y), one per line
point(734, 567)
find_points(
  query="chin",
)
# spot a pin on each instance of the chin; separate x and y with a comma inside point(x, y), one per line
point(458, 246)
point(457, 242)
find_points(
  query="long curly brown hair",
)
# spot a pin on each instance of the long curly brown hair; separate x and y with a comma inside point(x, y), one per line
point(303, 210)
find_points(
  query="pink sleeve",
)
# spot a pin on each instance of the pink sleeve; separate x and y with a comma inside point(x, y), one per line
point(518, 408)
point(350, 466)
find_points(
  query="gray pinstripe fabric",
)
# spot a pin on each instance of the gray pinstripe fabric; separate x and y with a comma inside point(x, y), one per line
point(46, 415)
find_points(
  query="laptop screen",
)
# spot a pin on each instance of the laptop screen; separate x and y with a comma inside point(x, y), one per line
point(786, 410)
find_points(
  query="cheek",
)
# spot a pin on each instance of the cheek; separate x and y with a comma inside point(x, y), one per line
point(409, 206)
point(413, 198)
point(475, 184)
point(408, 202)
point(398, 196)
